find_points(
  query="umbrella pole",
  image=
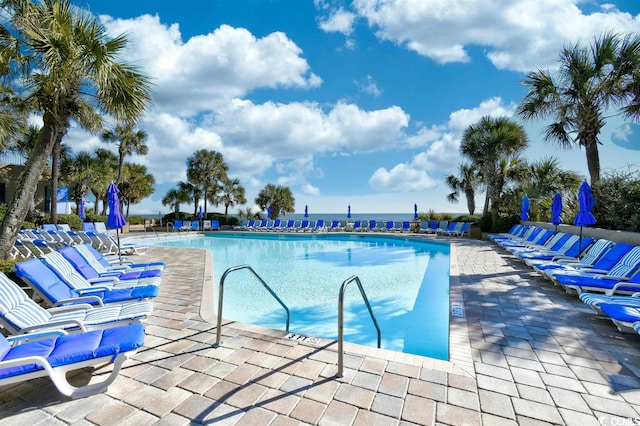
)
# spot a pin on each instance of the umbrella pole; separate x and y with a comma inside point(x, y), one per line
point(580, 244)
point(119, 250)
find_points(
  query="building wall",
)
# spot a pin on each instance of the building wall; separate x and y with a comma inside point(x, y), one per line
point(9, 176)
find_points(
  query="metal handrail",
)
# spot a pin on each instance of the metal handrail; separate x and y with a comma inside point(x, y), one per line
point(220, 297)
point(341, 320)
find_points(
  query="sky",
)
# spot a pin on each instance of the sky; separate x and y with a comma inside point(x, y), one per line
point(359, 103)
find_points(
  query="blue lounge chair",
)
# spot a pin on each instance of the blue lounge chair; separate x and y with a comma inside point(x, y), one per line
point(20, 314)
point(55, 290)
point(609, 281)
point(626, 318)
point(593, 255)
point(372, 225)
point(570, 249)
point(195, 225)
point(516, 231)
point(406, 226)
point(320, 225)
point(90, 270)
point(454, 228)
point(215, 225)
point(594, 300)
point(56, 354)
point(335, 226)
point(88, 227)
point(85, 278)
point(92, 255)
point(357, 225)
point(177, 225)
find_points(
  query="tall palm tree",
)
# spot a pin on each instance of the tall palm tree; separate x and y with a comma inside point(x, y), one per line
point(232, 194)
point(466, 181)
point(175, 197)
point(278, 197)
point(129, 140)
point(485, 144)
point(136, 185)
point(194, 191)
point(206, 169)
point(72, 71)
point(107, 164)
point(590, 80)
point(78, 172)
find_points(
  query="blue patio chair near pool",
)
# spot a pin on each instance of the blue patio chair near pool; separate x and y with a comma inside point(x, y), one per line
point(406, 226)
point(88, 226)
point(55, 290)
point(276, 225)
point(215, 225)
point(56, 354)
point(357, 225)
point(371, 226)
point(94, 269)
point(625, 317)
point(320, 225)
point(195, 225)
point(335, 226)
point(593, 254)
point(568, 248)
point(83, 278)
point(443, 225)
point(389, 226)
point(92, 255)
point(19, 314)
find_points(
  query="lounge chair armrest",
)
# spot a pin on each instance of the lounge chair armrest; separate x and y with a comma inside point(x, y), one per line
point(625, 284)
point(36, 336)
point(70, 308)
point(57, 325)
point(103, 279)
point(597, 271)
point(610, 277)
point(79, 299)
point(560, 257)
point(90, 290)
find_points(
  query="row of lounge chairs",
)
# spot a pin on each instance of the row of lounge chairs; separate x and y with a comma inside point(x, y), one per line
point(436, 227)
point(37, 242)
point(96, 308)
point(195, 225)
point(603, 274)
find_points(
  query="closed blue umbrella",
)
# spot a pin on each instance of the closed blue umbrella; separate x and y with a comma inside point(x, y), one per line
point(269, 212)
point(81, 214)
point(524, 215)
point(349, 212)
point(306, 211)
point(114, 218)
point(415, 211)
point(556, 210)
point(585, 204)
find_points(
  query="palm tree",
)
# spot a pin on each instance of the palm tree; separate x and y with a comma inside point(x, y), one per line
point(206, 169)
point(466, 181)
point(589, 81)
point(71, 71)
point(485, 144)
point(194, 191)
point(131, 141)
point(278, 197)
point(232, 194)
point(175, 197)
point(107, 164)
point(137, 184)
point(78, 172)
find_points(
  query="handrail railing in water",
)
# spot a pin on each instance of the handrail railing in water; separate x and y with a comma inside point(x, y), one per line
point(341, 320)
point(221, 293)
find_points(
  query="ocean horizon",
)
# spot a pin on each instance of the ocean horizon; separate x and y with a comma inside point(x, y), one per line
point(333, 216)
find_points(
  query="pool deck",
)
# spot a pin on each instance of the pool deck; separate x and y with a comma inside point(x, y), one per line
point(523, 352)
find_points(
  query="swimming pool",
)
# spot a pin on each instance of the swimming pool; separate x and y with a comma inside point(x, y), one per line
point(406, 282)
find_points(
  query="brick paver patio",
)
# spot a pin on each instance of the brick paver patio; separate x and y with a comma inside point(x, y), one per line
point(524, 353)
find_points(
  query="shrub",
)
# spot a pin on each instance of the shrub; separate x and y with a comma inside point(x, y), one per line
point(617, 201)
point(6, 267)
point(72, 220)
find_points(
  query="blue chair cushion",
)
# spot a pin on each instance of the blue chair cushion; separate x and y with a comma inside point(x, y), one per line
point(73, 348)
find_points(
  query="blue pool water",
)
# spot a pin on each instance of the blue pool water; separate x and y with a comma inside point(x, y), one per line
point(406, 282)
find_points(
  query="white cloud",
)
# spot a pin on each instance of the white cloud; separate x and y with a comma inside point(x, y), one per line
point(201, 73)
point(517, 34)
point(442, 149)
point(401, 178)
point(368, 85)
point(339, 21)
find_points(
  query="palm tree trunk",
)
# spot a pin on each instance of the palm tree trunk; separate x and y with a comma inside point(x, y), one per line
point(226, 209)
point(19, 206)
point(593, 161)
point(471, 200)
point(54, 181)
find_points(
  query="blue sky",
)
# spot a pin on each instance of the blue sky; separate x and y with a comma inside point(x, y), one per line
point(358, 103)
